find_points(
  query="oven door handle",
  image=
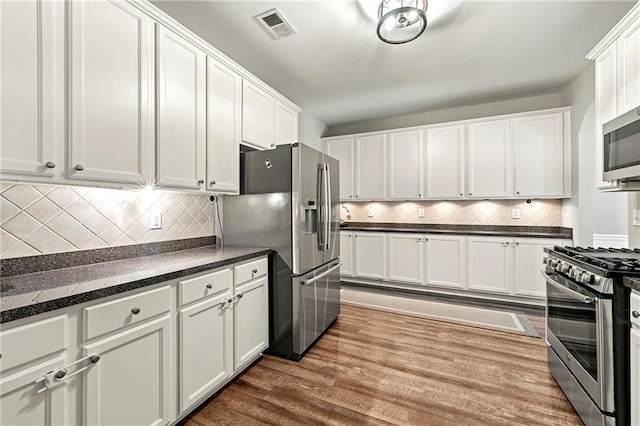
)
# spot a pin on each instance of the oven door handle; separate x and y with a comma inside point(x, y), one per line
point(567, 291)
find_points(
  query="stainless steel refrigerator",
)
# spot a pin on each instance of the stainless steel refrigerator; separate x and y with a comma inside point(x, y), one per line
point(290, 201)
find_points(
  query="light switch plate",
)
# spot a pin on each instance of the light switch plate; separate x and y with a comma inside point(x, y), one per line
point(155, 220)
point(636, 217)
point(420, 212)
point(515, 213)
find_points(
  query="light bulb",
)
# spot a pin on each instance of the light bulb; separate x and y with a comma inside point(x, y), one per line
point(390, 23)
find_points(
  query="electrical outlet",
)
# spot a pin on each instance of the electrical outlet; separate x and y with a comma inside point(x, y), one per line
point(420, 212)
point(155, 220)
point(636, 217)
point(370, 213)
point(515, 213)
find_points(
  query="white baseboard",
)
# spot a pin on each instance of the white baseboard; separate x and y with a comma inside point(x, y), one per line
point(611, 240)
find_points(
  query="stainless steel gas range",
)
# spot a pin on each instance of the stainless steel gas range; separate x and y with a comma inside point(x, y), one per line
point(588, 329)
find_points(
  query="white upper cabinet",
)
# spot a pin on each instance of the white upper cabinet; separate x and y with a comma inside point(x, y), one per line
point(489, 159)
point(538, 155)
point(224, 126)
point(406, 158)
point(629, 68)
point(31, 99)
point(444, 177)
point(286, 126)
point(258, 116)
point(606, 104)
point(342, 150)
point(370, 167)
point(111, 83)
point(181, 144)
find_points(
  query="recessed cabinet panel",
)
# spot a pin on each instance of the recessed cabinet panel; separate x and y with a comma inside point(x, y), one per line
point(286, 125)
point(29, 59)
point(258, 116)
point(371, 167)
point(606, 104)
point(406, 155)
point(181, 143)
point(406, 258)
point(346, 253)
point(342, 150)
point(489, 159)
point(370, 255)
point(445, 162)
point(445, 261)
point(111, 82)
point(538, 155)
point(251, 321)
point(488, 265)
point(527, 263)
point(635, 376)
point(629, 69)
point(224, 127)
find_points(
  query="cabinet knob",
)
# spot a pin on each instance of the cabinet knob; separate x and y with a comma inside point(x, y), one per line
point(50, 165)
point(60, 374)
point(273, 145)
point(419, 195)
point(94, 359)
point(635, 314)
point(135, 311)
point(79, 167)
point(240, 296)
point(255, 271)
point(461, 194)
point(469, 193)
point(209, 286)
point(517, 192)
point(201, 181)
point(356, 196)
point(213, 182)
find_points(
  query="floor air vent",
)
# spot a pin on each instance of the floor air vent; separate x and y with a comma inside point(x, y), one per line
point(276, 24)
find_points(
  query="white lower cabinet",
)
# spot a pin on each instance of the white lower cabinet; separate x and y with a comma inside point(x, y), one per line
point(370, 255)
point(488, 263)
point(129, 385)
point(527, 263)
point(406, 257)
point(205, 348)
point(346, 253)
point(635, 375)
point(445, 261)
point(250, 321)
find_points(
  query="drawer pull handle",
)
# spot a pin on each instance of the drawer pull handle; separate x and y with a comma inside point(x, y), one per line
point(255, 271)
point(213, 182)
point(209, 286)
point(201, 181)
point(50, 165)
point(79, 167)
point(135, 311)
point(635, 314)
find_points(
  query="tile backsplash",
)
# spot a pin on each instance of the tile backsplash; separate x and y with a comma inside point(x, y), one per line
point(44, 219)
point(481, 212)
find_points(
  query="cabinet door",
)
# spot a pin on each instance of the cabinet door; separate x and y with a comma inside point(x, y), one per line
point(527, 263)
point(606, 104)
point(538, 144)
point(370, 255)
point(346, 253)
point(489, 159)
point(181, 112)
point(206, 348)
point(444, 177)
point(30, 61)
point(21, 403)
point(406, 258)
point(111, 101)
point(406, 154)
point(445, 261)
point(250, 321)
point(635, 376)
point(224, 126)
point(130, 383)
point(286, 125)
point(629, 68)
point(342, 150)
point(258, 116)
point(370, 166)
point(488, 266)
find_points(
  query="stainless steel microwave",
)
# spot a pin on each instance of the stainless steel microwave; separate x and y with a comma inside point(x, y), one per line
point(622, 147)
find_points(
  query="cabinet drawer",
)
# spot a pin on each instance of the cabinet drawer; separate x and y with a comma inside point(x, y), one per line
point(206, 285)
point(635, 307)
point(251, 270)
point(119, 313)
point(40, 340)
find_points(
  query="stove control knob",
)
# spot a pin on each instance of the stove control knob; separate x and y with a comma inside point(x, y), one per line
point(578, 276)
point(587, 278)
point(554, 263)
point(564, 268)
point(545, 260)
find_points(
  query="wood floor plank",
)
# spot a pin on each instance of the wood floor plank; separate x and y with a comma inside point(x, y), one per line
point(380, 368)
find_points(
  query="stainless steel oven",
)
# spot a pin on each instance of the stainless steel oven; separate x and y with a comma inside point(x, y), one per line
point(580, 338)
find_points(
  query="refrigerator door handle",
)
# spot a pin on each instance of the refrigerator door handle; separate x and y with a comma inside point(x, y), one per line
point(321, 276)
point(327, 206)
point(323, 211)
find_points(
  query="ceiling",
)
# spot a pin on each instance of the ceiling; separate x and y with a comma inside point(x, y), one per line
point(339, 71)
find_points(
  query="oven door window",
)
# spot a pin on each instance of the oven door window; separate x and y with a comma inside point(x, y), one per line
point(622, 147)
point(573, 322)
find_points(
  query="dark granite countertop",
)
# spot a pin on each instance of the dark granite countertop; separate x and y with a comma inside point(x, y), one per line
point(632, 283)
point(35, 293)
point(482, 230)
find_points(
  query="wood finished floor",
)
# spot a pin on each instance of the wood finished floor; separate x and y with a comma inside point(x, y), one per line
point(376, 368)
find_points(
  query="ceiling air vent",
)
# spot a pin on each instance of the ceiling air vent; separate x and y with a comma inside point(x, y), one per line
point(276, 24)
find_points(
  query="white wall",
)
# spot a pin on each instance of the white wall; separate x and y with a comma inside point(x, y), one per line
point(310, 130)
point(441, 116)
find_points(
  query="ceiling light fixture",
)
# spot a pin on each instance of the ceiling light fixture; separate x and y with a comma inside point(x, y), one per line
point(400, 21)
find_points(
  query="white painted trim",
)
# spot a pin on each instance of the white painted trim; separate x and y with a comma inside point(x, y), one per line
point(611, 240)
point(612, 35)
